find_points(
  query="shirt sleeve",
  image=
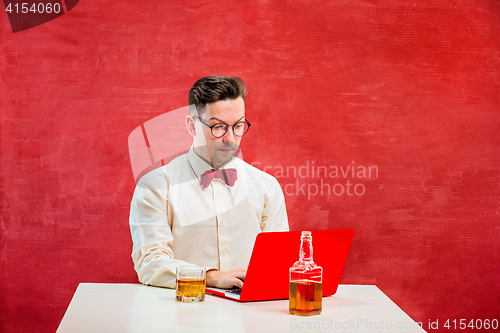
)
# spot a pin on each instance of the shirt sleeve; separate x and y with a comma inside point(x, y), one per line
point(274, 216)
point(150, 226)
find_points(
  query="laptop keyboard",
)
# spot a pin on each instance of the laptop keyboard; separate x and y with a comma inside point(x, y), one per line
point(236, 291)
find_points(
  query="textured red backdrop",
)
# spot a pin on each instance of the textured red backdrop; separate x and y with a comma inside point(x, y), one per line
point(410, 88)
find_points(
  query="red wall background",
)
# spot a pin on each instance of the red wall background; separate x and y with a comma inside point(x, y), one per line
point(411, 87)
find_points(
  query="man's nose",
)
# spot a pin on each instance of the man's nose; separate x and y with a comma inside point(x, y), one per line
point(229, 136)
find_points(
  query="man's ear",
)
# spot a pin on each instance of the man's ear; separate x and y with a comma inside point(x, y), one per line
point(190, 125)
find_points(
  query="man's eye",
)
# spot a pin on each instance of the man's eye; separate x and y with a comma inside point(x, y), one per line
point(239, 125)
point(219, 127)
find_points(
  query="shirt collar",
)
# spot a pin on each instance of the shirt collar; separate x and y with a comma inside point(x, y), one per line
point(199, 165)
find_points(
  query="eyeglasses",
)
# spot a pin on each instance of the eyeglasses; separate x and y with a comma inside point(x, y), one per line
point(220, 129)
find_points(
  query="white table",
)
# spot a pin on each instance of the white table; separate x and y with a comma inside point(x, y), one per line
point(97, 307)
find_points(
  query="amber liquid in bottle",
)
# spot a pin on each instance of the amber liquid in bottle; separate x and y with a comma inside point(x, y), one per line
point(305, 281)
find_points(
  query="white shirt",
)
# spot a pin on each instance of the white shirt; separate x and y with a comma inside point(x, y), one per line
point(174, 221)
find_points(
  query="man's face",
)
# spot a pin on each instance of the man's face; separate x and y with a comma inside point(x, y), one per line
point(218, 151)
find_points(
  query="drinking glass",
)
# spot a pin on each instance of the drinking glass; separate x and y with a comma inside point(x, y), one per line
point(190, 284)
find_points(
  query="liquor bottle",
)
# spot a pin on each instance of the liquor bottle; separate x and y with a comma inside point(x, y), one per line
point(305, 281)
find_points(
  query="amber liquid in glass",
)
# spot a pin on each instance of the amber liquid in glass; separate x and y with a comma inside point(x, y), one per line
point(190, 290)
point(305, 298)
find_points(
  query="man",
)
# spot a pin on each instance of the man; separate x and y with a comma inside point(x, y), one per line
point(205, 208)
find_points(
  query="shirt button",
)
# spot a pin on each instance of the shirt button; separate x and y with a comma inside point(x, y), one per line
point(224, 252)
point(221, 222)
point(217, 194)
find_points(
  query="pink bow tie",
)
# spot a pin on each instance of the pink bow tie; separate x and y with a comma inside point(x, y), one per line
point(229, 176)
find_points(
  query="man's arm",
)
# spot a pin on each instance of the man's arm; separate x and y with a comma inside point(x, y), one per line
point(152, 236)
point(274, 216)
point(152, 255)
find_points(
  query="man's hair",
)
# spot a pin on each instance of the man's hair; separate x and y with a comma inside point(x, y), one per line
point(214, 88)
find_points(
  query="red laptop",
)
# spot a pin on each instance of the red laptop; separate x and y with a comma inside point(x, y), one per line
point(275, 252)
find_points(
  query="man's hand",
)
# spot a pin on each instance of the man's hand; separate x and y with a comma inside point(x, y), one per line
point(227, 279)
